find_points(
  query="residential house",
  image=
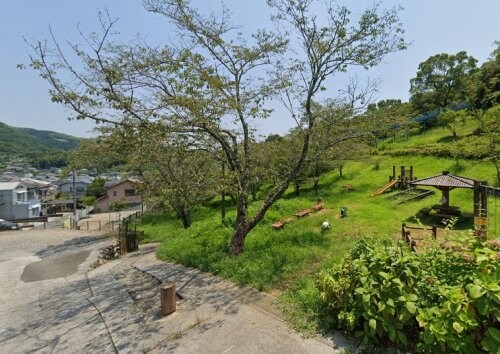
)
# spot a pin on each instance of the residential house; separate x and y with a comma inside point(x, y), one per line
point(119, 191)
point(14, 202)
point(37, 189)
point(81, 185)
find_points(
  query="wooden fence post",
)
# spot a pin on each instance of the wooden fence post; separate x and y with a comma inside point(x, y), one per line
point(167, 298)
point(434, 232)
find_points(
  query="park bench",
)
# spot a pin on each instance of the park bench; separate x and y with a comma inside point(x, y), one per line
point(278, 225)
point(318, 206)
point(303, 212)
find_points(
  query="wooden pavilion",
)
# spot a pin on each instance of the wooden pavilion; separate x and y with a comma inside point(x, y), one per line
point(445, 182)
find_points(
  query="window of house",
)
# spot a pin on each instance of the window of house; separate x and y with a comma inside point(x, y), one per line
point(129, 192)
point(114, 193)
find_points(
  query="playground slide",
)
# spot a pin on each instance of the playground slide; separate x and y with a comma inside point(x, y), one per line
point(386, 187)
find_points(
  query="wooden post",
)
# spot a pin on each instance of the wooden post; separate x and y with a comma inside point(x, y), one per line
point(87, 225)
point(484, 198)
point(99, 225)
point(167, 298)
point(434, 232)
point(446, 195)
point(403, 233)
point(413, 245)
point(477, 203)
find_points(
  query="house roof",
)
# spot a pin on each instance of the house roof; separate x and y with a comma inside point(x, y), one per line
point(445, 180)
point(114, 183)
point(117, 183)
point(4, 186)
point(78, 179)
point(34, 183)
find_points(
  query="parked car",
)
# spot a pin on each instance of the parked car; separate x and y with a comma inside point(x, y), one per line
point(7, 225)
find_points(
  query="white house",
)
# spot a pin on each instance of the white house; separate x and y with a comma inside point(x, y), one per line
point(14, 202)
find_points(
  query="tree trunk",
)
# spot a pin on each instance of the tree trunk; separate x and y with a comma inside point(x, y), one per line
point(316, 179)
point(184, 216)
point(340, 170)
point(297, 187)
point(238, 241)
point(244, 226)
point(254, 192)
point(223, 195)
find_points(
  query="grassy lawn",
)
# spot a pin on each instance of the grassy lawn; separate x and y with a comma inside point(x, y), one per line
point(274, 260)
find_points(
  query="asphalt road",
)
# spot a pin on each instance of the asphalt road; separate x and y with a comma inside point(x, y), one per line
point(52, 301)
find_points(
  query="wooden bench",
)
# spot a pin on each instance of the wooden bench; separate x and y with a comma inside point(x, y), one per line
point(444, 216)
point(278, 225)
point(303, 212)
point(447, 210)
point(318, 206)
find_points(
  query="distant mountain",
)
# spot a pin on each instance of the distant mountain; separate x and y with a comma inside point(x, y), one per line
point(34, 145)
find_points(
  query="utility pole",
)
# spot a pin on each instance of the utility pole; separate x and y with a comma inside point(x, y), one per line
point(74, 194)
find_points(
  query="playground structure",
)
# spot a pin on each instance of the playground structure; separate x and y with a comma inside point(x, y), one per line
point(403, 183)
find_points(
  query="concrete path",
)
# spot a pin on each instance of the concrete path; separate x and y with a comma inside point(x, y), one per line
point(115, 307)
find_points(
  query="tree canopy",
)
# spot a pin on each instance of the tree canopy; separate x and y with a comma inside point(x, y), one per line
point(440, 81)
point(484, 84)
point(212, 83)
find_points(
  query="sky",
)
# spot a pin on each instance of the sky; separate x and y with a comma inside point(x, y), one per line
point(432, 27)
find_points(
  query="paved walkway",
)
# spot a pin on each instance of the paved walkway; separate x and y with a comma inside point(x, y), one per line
point(114, 308)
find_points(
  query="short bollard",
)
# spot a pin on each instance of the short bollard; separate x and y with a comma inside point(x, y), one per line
point(167, 298)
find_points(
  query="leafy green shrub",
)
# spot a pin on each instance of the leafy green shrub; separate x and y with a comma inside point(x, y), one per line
point(435, 301)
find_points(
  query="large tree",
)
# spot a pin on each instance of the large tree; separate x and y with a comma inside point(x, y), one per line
point(440, 81)
point(489, 123)
point(484, 85)
point(174, 171)
point(213, 82)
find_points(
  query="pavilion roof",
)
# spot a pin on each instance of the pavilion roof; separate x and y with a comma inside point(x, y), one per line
point(445, 180)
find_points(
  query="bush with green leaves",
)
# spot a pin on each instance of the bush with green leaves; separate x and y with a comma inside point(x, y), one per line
point(436, 301)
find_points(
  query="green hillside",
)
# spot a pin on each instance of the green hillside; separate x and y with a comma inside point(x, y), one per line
point(274, 259)
point(34, 146)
